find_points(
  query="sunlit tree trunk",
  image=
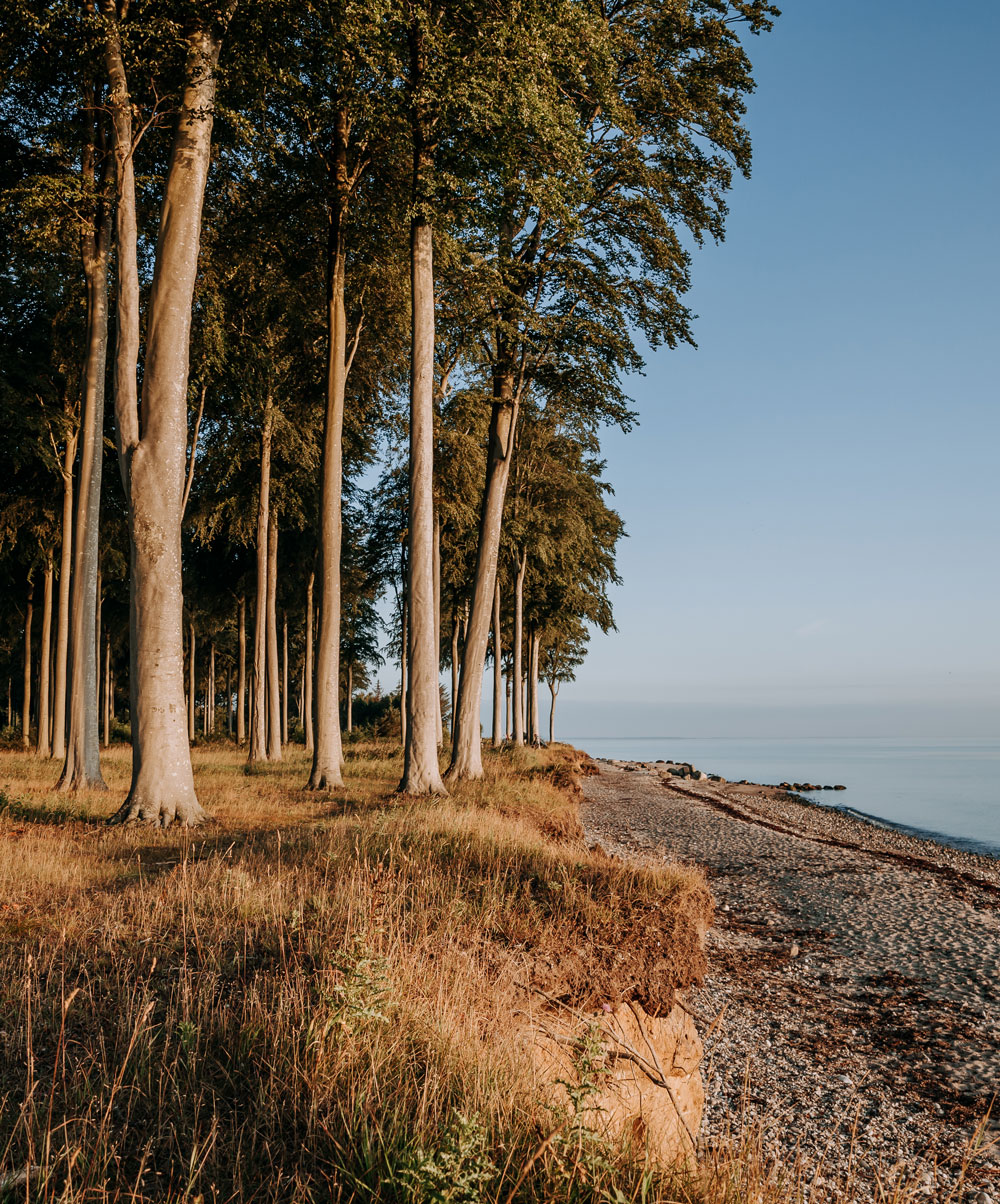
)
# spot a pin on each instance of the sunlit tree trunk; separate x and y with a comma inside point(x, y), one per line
point(62, 617)
point(553, 691)
point(153, 459)
point(26, 699)
point(284, 677)
point(518, 648)
point(350, 697)
point(273, 680)
point(404, 677)
point(507, 711)
point(192, 683)
point(44, 744)
point(533, 656)
point(307, 668)
point(258, 728)
point(211, 688)
point(328, 754)
point(454, 665)
point(82, 764)
point(437, 619)
point(241, 673)
point(466, 754)
point(497, 669)
point(107, 689)
point(421, 773)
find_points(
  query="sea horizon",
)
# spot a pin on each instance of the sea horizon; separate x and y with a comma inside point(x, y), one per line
point(944, 789)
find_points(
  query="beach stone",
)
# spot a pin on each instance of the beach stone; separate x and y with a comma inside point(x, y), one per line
point(630, 1105)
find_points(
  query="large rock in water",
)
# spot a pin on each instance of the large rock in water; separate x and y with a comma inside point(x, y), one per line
point(649, 1091)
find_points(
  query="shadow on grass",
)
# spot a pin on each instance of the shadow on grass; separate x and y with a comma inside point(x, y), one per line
point(43, 813)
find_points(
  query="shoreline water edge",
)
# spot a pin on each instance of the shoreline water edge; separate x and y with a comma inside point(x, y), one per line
point(852, 1007)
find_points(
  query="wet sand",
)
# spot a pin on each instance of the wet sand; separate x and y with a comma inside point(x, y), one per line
point(857, 970)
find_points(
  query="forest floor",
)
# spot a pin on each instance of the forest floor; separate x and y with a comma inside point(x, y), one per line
point(854, 981)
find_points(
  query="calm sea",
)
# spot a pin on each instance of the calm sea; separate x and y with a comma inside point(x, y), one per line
point(945, 789)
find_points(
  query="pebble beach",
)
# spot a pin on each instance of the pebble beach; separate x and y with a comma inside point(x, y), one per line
point(850, 1012)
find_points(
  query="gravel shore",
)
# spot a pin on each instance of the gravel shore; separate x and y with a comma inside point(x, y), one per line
point(856, 971)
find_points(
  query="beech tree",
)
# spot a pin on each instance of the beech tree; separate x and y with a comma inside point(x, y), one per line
point(576, 250)
point(152, 443)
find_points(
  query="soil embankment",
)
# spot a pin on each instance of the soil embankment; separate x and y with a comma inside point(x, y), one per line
point(856, 970)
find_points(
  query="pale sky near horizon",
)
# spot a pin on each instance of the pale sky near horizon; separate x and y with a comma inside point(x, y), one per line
point(812, 496)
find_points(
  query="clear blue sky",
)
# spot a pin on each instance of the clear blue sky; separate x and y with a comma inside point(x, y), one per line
point(812, 497)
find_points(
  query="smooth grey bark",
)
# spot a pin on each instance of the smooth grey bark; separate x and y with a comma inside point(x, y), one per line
point(497, 669)
point(82, 763)
point(107, 690)
point(518, 648)
point(454, 666)
point(273, 680)
point(307, 668)
point(26, 698)
point(153, 458)
point(534, 651)
point(44, 739)
point(350, 697)
point(284, 678)
point(554, 691)
point(192, 682)
point(241, 672)
point(466, 753)
point(404, 677)
point(507, 710)
point(62, 617)
point(210, 702)
point(258, 713)
point(421, 772)
point(328, 754)
point(437, 620)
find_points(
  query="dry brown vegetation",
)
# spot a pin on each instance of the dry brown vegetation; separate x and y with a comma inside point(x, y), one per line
point(320, 997)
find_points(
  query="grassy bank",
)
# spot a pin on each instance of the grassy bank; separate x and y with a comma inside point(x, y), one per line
point(319, 998)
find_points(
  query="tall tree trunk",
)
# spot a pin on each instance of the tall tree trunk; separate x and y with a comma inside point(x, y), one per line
point(307, 669)
point(44, 745)
point(62, 619)
point(350, 696)
point(107, 689)
point(229, 701)
point(535, 652)
point(437, 620)
point(211, 688)
point(273, 680)
point(284, 677)
point(241, 673)
point(26, 699)
point(466, 754)
point(82, 764)
point(454, 665)
point(507, 711)
point(328, 754)
point(553, 690)
point(258, 730)
point(497, 669)
point(153, 459)
point(518, 672)
point(528, 720)
point(192, 682)
point(421, 772)
point(404, 677)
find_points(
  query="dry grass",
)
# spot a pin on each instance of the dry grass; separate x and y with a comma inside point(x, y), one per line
point(316, 997)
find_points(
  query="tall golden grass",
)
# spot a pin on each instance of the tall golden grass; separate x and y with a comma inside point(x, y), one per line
point(315, 998)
